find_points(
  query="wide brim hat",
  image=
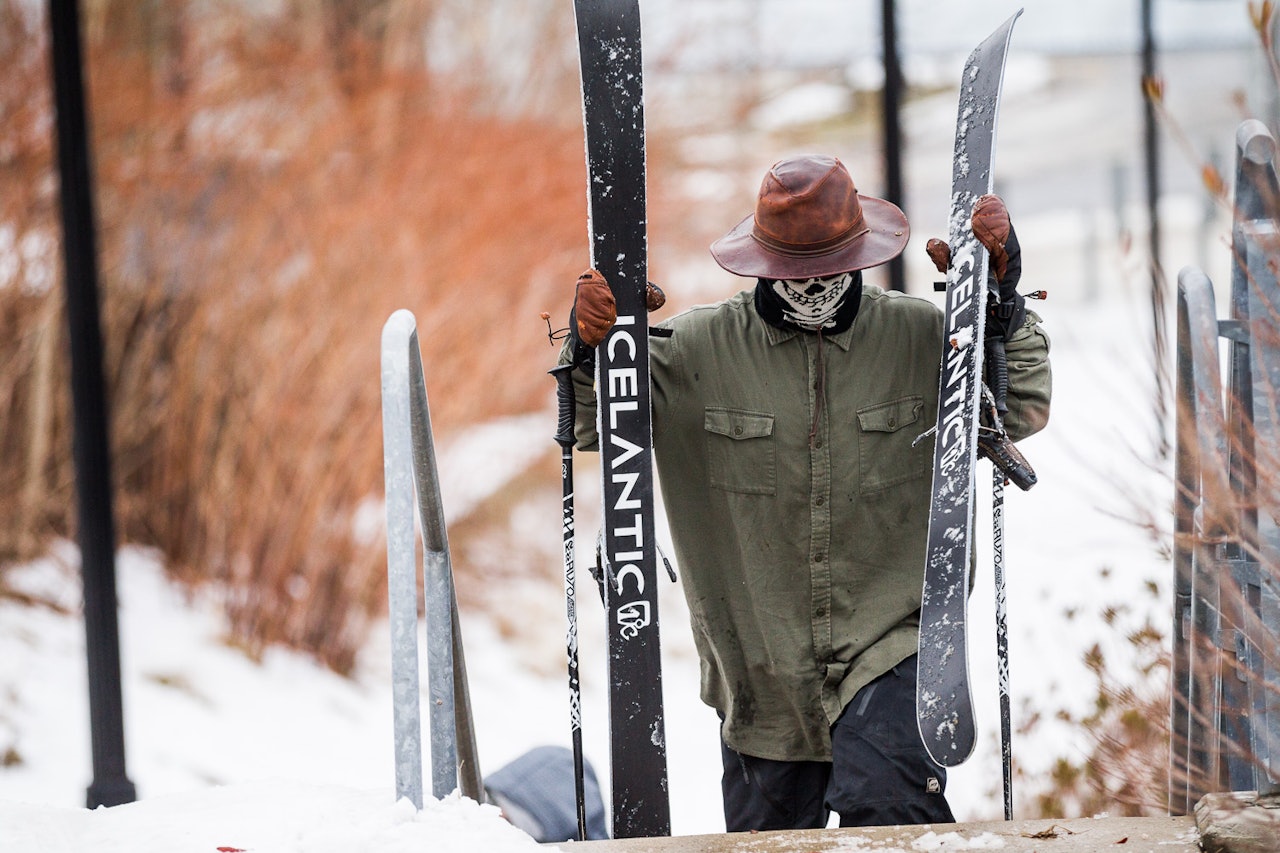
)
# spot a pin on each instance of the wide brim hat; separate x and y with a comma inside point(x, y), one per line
point(811, 222)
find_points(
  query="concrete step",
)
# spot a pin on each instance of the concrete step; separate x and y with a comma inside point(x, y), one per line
point(1079, 835)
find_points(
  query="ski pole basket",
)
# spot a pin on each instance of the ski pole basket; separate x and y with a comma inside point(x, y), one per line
point(412, 483)
point(1225, 709)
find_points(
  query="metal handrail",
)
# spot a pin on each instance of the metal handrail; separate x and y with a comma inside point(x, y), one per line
point(1225, 712)
point(409, 464)
point(1204, 518)
point(1251, 427)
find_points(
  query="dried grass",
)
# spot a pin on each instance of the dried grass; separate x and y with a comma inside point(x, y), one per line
point(268, 195)
point(1126, 769)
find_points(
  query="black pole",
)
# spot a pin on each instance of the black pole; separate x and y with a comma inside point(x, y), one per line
point(1151, 148)
point(90, 443)
point(892, 104)
point(998, 482)
point(565, 438)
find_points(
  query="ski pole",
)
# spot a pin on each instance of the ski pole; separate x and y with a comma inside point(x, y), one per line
point(564, 437)
point(1000, 374)
point(1002, 639)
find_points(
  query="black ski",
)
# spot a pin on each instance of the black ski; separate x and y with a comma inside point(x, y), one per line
point(944, 709)
point(613, 115)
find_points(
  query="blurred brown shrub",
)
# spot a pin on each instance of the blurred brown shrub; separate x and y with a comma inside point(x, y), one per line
point(269, 191)
point(1125, 768)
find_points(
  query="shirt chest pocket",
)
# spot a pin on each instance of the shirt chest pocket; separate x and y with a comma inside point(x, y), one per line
point(886, 432)
point(740, 451)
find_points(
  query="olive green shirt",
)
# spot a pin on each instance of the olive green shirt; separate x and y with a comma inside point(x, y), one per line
point(797, 503)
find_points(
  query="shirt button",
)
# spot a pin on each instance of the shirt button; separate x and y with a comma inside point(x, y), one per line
point(820, 501)
point(821, 611)
point(817, 558)
point(737, 430)
point(817, 443)
point(893, 422)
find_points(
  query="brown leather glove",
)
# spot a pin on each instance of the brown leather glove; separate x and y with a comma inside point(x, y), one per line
point(939, 252)
point(992, 228)
point(654, 298)
point(991, 225)
point(990, 222)
point(594, 309)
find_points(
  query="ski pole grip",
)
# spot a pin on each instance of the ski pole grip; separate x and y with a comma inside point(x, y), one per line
point(564, 396)
point(998, 377)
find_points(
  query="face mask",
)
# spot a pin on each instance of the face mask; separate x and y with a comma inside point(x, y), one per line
point(812, 303)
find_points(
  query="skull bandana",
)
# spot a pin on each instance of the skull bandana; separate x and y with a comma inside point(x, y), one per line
point(812, 303)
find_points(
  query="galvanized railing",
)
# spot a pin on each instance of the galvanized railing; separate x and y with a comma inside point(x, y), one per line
point(1225, 724)
point(412, 484)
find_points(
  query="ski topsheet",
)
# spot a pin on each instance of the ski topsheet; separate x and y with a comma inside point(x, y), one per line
point(613, 116)
point(944, 708)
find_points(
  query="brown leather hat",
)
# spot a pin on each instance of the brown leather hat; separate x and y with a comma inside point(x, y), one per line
point(812, 222)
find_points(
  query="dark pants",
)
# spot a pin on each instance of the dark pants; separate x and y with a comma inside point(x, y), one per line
point(879, 775)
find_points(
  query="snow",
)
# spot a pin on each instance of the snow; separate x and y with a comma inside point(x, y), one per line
point(276, 756)
point(266, 817)
point(698, 34)
point(946, 841)
point(808, 103)
point(503, 446)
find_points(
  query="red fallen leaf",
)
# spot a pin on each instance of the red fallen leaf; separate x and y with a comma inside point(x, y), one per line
point(231, 850)
point(1123, 840)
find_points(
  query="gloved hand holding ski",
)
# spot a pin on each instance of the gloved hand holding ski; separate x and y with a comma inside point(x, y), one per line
point(1006, 312)
point(991, 225)
point(594, 312)
point(594, 309)
point(1006, 307)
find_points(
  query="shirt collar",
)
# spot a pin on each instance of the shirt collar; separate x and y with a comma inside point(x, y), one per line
point(777, 336)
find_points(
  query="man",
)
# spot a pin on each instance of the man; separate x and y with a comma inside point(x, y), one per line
point(785, 424)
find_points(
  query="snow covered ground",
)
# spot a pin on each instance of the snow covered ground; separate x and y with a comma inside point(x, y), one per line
point(265, 817)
